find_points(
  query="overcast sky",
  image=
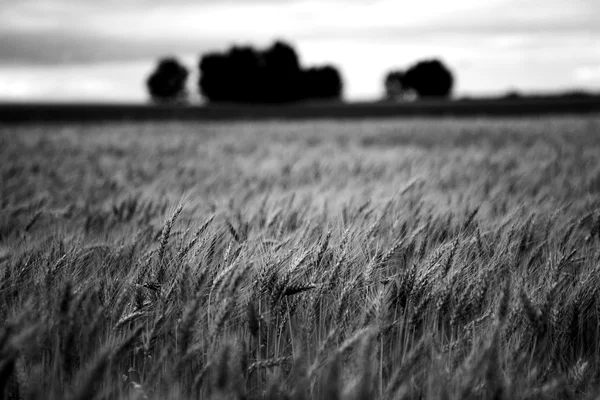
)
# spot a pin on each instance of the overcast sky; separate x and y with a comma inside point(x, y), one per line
point(104, 49)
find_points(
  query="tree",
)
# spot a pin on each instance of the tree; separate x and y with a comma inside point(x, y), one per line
point(281, 57)
point(244, 74)
point(394, 85)
point(273, 75)
point(429, 78)
point(281, 74)
point(214, 77)
point(322, 83)
point(168, 81)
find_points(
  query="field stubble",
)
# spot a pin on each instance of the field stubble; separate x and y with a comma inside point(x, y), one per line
point(454, 259)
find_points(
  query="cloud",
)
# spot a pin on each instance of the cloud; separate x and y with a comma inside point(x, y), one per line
point(90, 30)
point(122, 81)
point(491, 45)
point(63, 47)
point(588, 74)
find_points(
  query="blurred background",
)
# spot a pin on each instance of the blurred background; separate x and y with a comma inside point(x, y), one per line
point(104, 51)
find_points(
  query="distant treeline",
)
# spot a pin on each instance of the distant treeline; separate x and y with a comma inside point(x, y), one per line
point(246, 75)
point(243, 74)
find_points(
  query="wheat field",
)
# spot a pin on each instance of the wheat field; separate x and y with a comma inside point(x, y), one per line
point(389, 259)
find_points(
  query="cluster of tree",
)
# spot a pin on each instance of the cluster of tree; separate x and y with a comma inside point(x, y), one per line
point(274, 75)
point(247, 75)
point(427, 78)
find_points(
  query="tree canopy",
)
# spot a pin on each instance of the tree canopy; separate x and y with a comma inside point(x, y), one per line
point(273, 75)
point(427, 78)
point(168, 81)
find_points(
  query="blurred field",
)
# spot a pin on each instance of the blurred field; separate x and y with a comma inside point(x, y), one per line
point(502, 107)
point(412, 258)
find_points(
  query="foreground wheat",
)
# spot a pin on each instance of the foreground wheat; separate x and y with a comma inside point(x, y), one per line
point(396, 260)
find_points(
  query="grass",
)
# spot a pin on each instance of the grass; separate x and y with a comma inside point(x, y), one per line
point(442, 259)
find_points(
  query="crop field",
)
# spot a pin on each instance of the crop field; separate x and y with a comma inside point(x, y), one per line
point(366, 259)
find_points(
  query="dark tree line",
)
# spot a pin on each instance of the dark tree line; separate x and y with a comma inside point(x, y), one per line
point(243, 74)
point(247, 75)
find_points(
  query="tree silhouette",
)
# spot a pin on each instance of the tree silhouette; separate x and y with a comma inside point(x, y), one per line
point(214, 77)
point(244, 66)
point(274, 75)
point(281, 74)
point(322, 83)
point(167, 82)
point(282, 57)
point(394, 85)
point(429, 78)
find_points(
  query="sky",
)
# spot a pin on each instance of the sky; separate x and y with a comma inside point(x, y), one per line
point(103, 50)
